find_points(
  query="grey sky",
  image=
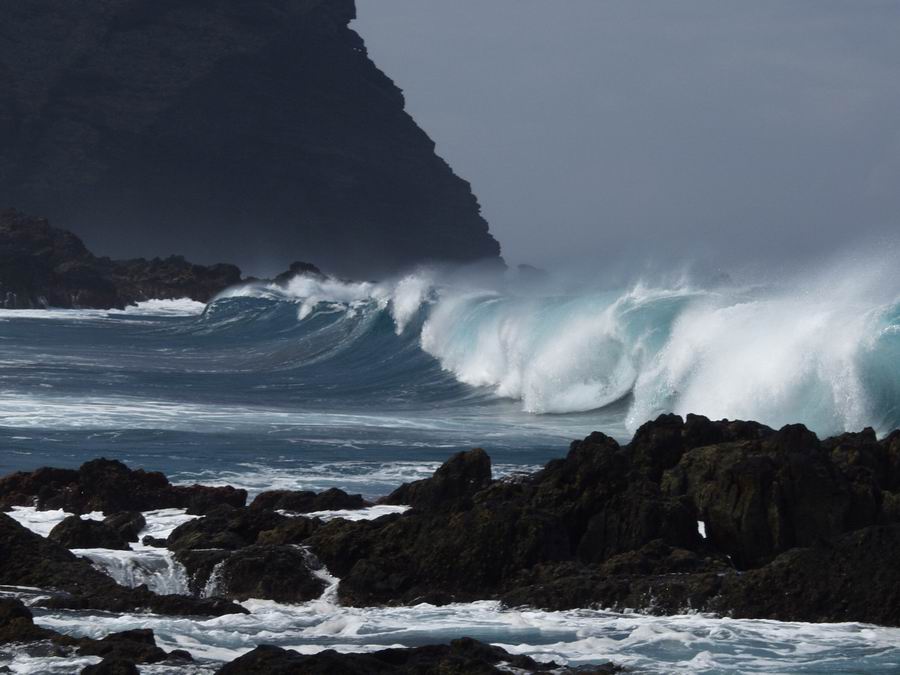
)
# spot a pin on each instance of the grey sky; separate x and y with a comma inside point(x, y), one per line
point(717, 129)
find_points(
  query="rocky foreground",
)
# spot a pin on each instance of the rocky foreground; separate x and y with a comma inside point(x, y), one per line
point(727, 517)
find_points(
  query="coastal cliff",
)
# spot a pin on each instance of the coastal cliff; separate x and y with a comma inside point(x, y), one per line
point(257, 132)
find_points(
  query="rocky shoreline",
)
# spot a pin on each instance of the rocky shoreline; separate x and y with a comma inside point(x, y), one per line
point(43, 266)
point(732, 518)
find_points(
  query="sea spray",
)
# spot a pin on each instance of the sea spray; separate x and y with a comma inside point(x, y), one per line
point(820, 347)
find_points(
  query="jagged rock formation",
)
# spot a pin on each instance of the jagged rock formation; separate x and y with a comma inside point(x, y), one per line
point(460, 656)
point(134, 646)
point(617, 526)
point(27, 559)
point(727, 517)
point(257, 132)
point(110, 486)
point(42, 266)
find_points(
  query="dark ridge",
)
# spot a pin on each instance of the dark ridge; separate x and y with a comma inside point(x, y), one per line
point(245, 130)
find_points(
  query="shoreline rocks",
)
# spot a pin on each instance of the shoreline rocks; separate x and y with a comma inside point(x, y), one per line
point(129, 647)
point(732, 518)
point(42, 266)
point(619, 527)
point(460, 656)
point(27, 559)
point(110, 486)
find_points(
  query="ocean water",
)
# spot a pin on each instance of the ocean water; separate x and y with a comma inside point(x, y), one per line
point(365, 386)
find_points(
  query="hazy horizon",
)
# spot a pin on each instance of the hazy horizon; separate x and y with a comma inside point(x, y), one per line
point(719, 132)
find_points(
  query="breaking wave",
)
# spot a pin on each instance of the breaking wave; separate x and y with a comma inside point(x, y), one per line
point(820, 348)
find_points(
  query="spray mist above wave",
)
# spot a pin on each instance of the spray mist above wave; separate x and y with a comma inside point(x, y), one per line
point(821, 347)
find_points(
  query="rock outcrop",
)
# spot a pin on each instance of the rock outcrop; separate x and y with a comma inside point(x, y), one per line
point(258, 132)
point(460, 656)
point(125, 648)
point(75, 532)
point(248, 553)
point(690, 515)
point(305, 501)
point(42, 266)
point(110, 486)
point(620, 527)
point(27, 559)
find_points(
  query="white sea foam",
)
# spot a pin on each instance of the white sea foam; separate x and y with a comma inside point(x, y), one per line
point(154, 567)
point(373, 479)
point(683, 644)
point(42, 522)
point(177, 307)
point(162, 522)
point(368, 513)
point(806, 350)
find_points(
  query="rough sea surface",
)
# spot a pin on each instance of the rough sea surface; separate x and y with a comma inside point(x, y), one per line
point(365, 386)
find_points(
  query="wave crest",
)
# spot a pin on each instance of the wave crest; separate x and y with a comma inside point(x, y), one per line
point(811, 349)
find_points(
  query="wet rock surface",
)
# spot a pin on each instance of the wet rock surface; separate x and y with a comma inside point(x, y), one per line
point(27, 559)
point(460, 656)
point(280, 573)
point(242, 553)
point(333, 499)
point(116, 649)
point(128, 524)
point(617, 526)
point(111, 487)
point(727, 517)
point(74, 532)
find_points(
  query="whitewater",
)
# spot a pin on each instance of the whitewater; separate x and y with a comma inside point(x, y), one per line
point(325, 383)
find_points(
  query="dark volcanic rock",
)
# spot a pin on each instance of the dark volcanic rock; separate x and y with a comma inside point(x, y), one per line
point(464, 656)
point(17, 624)
point(761, 497)
point(128, 524)
point(251, 551)
point(110, 486)
point(298, 268)
point(224, 527)
point(617, 526)
point(111, 667)
point(42, 266)
point(291, 531)
point(138, 646)
point(307, 502)
point(74, 532)
point(795, 529)
point(233, 130)
point(852, 577)
point(587, 508)
point(280, 573)
point(452, 486)
point(27, 559)
point(134, 646)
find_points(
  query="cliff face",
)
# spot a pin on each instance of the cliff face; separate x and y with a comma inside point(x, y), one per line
point(250, 130)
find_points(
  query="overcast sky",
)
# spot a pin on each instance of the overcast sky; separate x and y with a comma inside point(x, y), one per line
point(718, 129)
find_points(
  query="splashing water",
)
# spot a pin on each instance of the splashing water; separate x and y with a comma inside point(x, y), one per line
point(822, 350)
